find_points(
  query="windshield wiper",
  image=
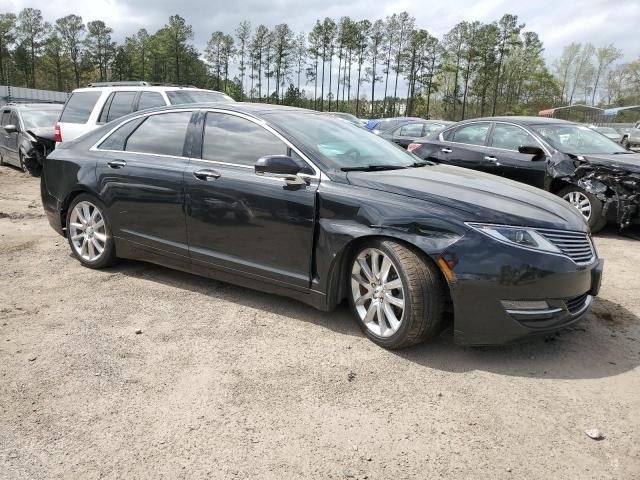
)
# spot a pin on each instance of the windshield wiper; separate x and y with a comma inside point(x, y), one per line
point(372, 168)
point(420, 164)
point(622, 153)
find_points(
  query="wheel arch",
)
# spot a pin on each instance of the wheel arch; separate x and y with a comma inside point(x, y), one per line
point(339, 270)
point(64, 205)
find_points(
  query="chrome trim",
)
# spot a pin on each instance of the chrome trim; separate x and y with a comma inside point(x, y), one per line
point(543, 311)
point(587, 304)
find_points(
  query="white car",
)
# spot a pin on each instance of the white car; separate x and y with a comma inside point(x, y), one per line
point(99, 103)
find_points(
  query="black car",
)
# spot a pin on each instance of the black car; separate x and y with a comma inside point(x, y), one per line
point(27, 134)
point(407, 133)
point(296, 203)
point(596, 175)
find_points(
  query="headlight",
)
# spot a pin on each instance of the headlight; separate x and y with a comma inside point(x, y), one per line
point(519, 236)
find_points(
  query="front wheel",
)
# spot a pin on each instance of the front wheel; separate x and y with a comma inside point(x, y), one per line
point(89, 232)
point(587, 204)
point(397, 297)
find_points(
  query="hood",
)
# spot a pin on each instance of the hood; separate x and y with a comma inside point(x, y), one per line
point(626, 161)
point(478, 196)
point(46, 133)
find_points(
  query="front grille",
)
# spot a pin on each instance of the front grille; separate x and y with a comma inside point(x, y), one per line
point(575, 245)
point(576, 304)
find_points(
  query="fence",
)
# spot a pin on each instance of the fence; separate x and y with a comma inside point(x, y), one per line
point(30, 95)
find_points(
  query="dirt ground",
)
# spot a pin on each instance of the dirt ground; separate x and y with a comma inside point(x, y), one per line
point(225, 382)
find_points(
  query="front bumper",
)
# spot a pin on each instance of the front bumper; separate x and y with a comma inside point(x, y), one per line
point(489, 273)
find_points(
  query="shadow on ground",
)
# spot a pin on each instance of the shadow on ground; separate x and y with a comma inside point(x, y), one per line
point(605, 343)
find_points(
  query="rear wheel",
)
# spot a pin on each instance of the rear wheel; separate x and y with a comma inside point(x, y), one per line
point(89, 232)
point(398, 298)
point(587, 204)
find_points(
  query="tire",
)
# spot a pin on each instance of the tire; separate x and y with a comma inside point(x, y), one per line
point(625, 143)
point(594, 218)
point(33, 168)
point(96, 234)
point(422, 294)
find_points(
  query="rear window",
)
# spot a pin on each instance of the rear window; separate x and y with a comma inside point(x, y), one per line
point(79, 107)
point(178, 97)
point(150, 100)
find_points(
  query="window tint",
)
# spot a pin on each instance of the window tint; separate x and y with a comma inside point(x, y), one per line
point(150, 100)
point(510, 137)
point(411, 130)
point(232, 139)
point(118, 139)
point(432, 127)
point(474, 134)
point(161, 134)
point(121, 105)
point(14, 120)
point(79, 107)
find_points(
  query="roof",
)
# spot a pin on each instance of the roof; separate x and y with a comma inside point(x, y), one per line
point(149, 88)
point(575, 108)
point(519, 119)
point(35, 106)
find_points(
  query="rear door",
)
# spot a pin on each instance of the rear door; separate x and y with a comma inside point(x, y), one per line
point(503, 146)
point(239, 221)
point(465, 146)
point(76, 117)
point(141, 181)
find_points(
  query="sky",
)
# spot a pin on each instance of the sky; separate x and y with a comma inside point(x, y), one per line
point(558, 22)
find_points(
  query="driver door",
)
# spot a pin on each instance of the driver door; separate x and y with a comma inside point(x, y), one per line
point(239, 221)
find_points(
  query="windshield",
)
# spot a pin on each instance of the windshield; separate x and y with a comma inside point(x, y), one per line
point(341, 144)
point(40, 118)
point(179, 97)
point(577, 139)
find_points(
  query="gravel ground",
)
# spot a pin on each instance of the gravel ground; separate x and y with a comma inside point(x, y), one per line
point(225, 382)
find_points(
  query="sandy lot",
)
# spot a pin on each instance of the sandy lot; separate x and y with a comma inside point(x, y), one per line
point(226, 382)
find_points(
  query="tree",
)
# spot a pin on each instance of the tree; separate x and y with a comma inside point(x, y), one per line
point(214, 54)
point(54, 59)
point(283, 53)
point(583, 68)
point(300, 54)
point(565, 64)
point(315, 47)
point(142, 41)
point(605, 56)
point(363, 30)
point(99, 46)
point(32, 30)
point(405, 25)
point(377, 37)
point(327, 36)
point(71, 30)
point(257, 48)
point(507, 38)
point(389, 39)
point(179, 34)
point(243, 32)
point(7, 37)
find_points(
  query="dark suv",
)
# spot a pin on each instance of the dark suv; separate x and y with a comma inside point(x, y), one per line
point(596, 175)
point(27, 134)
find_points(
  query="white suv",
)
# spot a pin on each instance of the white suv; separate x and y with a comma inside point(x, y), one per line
point(99, 103)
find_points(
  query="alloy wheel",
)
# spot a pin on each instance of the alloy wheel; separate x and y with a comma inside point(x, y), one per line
point(580, 201)
point(378, 292)
point(87, 231)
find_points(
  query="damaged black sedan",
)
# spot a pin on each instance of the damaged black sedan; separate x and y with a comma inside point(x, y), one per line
point(596, 175)
point(301, 204)
point(27, 134)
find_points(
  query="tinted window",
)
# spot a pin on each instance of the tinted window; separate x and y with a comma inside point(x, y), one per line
point(474, 134)
point(150, 100)
point(232, 139)
point(79, 107)
point(5, 117)
point(432, 127)
point(118, 139)
point(178, 97)
point(161, 134)
point(411, 130)
point(121, 105)
point(510, 137)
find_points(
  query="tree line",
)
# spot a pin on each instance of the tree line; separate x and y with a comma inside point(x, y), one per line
point(386, 67)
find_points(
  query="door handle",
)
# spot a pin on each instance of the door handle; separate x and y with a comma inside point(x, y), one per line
point(446, 150)
point(207, 175)
point(491, 159)
point(117, 163)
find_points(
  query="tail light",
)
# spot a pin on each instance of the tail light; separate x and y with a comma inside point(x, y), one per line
point(57, 133)
point(413, 146)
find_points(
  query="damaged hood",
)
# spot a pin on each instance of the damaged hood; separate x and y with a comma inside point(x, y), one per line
point(625, 161)
point(483, 197)
point(42, 133)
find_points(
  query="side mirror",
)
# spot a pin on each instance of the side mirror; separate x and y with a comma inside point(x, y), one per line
point(10, 128)
point(537, 152)
point(280, 166)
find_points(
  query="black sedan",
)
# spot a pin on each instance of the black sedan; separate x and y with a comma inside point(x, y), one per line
point(407, 133)
point(596, 175)
point(296, 203)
